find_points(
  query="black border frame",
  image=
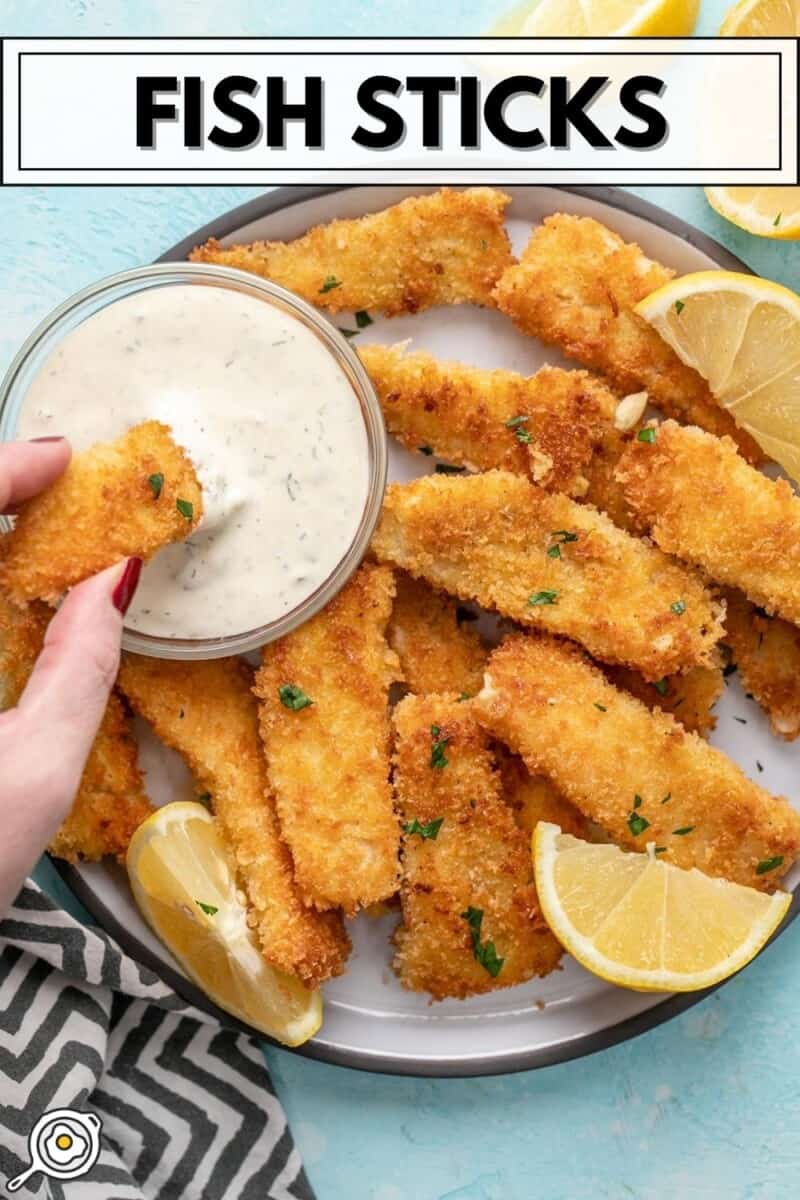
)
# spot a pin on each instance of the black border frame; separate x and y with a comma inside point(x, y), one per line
point(579, 1047)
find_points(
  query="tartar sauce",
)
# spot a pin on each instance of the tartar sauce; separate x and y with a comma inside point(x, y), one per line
point(270, 420)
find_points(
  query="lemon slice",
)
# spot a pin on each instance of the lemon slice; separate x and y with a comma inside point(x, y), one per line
point(762, 18)
point(642, 923)
point(184, 885)
point(601, 18)
point(742, 334)
point(772, 212)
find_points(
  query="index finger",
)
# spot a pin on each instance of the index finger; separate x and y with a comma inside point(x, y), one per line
point(27, 468)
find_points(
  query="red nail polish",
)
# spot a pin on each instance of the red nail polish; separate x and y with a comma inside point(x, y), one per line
point(56, 438)
point(124, 591)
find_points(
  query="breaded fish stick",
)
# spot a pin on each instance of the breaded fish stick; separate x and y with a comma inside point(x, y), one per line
point(766, 651)
point(437, 651)
point(638, 774)
point(471, 920)
point(325, 724)
point(207, 712)
point(534, 798)
point(110, 802)
point(114, 500)
point(576, 286)
point(688, 697)
point(547, 426)
point(445, 248)
point(705, 504)
point(544, 560)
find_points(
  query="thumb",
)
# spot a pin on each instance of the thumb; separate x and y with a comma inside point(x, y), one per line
point(66, 695)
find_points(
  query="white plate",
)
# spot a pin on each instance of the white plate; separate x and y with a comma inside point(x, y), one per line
point(370, 1021)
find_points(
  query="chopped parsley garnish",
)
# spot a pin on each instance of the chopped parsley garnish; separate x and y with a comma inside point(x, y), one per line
point(349, 333)
point(449, 469)
point(438, 756)
point(514, 422)
point(647, 435)
point(156, 483)
point(741, 720)
point(602, 707)
point(679, 307)
point(485, 954)
point(464, 696)
point(667, 798)
point(661, 686)
point(684, 829)
point(554, 552)
point(209, 909)
point(678, 607)
point(637, 823)
point(769, 864)
point(429, 830)
point(660, 850)
point(185, 508)
point(637, 801)
point(426, 450)
point(759, 765)
point(330, 283)
point(777, 220)
point(294, 697)
point(363, 319)
point(204, 797)
point(542, 598)
point(560, 538)
point(523, 436)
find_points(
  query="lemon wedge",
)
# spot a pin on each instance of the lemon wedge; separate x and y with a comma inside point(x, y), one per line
point(184, 885)
point(644, 924)
point(771, 212)
point(600, 18)
point(742, 334)
point(762, 18)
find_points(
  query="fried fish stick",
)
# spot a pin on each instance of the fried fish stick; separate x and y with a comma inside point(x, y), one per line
point(478, 862)
point(638, 774)
point(547, 426)
point(534, 798)
point(437, 651)
point(766, 651)
point(102, 509)
point(325, 724)
point(110, 802)
point(544, 560)
point(690, 697)
point(705, 504)
point(446, 248)
point(207, 712)
point(576, 286)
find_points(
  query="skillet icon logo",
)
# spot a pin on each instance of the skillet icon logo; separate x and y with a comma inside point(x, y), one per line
point(63, 1144)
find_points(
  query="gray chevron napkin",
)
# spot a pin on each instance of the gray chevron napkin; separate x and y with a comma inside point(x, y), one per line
point(102, 1064)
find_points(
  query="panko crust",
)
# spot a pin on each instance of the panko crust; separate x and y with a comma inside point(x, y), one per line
point(603, 748)
point(437, 651)
point(329, 762)
point(690, 697)
point(486, 538)
point(207, 713)
point(101, 510)
point(535, 798)
point(576, 286)
point(446, 248)
point(766, 651)
point(706, 505)
point(479, 858)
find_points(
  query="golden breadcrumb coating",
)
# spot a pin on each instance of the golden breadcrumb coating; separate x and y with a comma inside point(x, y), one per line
point(576, 286)
point(102, 509)
point(547, 426)
point(479, 859)
point(438, 651)
point(207, 712)
point(534, 798)
point(329, 761)
point(690, 697)
point(766, 651)
point(638, 774)
point(492, 538)
point(445, 248)
point(706, 505)
point(110, 802)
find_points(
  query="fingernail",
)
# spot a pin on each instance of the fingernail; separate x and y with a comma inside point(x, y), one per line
point(124, 591)
point(55, 438)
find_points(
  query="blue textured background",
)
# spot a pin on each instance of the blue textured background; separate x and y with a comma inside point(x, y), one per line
point(704, 1108)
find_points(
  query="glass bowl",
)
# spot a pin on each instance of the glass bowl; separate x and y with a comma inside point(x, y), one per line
point(47, 336)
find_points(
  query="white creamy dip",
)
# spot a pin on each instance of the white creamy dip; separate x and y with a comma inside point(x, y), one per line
point(270, 421)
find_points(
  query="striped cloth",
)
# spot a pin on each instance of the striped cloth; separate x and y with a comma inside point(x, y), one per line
point(187, 1108)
